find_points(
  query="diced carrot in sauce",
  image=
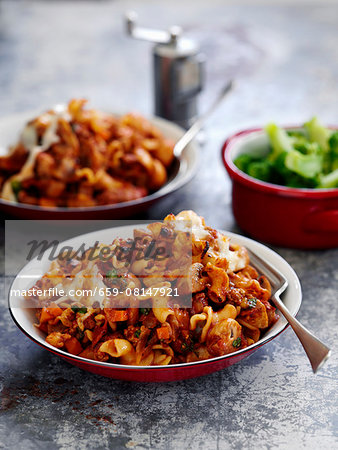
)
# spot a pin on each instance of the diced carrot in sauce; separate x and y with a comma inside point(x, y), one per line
point(50, 313)
point(99, 332)
point(45, 315)
point(118, 315)
point(43, 327)
point(163, 333)
point(73, 346)
point(87, 353)
point(55, 310)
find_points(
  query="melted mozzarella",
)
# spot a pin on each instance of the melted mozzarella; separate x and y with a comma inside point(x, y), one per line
point(196, 223)
point(236, 260)
point(220, 247)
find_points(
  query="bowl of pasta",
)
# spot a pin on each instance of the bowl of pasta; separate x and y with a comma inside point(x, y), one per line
point(72, 162)
point(186, 315)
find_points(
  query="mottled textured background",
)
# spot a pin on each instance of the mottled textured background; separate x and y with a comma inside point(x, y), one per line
point(285, 58)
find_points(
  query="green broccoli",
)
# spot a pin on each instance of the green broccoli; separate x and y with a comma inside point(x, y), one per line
point(318, 133)
point(296, 181)
point(243, 161)
point(306, 158)
point(279, 165)
point(296, 133)
point(307, 147)
point(260, 169)
point(329, 181)
point(279, 139)
point(333, 144)
point(307, 166)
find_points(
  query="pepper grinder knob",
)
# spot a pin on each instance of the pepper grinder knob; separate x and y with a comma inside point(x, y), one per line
point(178, 71)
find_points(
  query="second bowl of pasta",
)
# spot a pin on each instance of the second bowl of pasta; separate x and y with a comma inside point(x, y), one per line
point(73, 162)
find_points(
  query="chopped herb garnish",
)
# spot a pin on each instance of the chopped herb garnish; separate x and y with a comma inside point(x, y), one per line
point(111, 273)
point(16, 187)
point(145, 311)
point(79, 310)
point(137, 333)
point(252, 302)
point(187, 346)
point(205, 250)
point(237, 342)
point(80, 333)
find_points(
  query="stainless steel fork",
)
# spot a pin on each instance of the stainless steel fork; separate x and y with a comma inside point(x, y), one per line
point(316, 351)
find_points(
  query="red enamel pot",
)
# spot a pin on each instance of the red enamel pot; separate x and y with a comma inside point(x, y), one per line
point(279, 215)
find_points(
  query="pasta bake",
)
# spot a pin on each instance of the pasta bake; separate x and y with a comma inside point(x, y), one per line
point(229, 305)
point(77, 157)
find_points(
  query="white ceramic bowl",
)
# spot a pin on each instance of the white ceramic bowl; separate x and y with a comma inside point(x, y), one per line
point(25, 318)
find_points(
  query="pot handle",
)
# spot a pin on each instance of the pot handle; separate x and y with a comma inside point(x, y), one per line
point(326, 220)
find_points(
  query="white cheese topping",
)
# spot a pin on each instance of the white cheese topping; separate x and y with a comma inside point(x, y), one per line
point(197, 224)
point(220, 247)
point(236, 260)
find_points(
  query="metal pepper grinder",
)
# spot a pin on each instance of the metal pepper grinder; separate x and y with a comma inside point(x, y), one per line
point(178, 71)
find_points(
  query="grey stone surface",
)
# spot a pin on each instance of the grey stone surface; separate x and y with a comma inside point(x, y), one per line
point(285, 60)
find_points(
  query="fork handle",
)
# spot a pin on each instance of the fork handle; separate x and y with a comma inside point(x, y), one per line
point(316, 351)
